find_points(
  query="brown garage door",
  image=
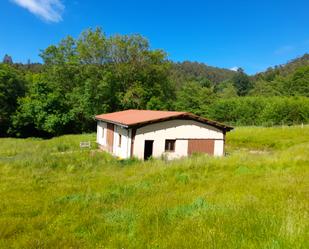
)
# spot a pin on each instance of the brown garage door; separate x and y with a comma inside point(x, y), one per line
point(201, 146)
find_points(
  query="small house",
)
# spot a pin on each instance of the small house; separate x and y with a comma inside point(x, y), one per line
point(145, 133)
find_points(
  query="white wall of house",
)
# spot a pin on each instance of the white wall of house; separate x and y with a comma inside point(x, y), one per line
point(181, 149)
point(101, 133)
point(219, 148)
point(122, 151)
point(181, 131)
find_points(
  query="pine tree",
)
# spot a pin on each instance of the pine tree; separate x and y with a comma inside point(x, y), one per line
point(7, 59)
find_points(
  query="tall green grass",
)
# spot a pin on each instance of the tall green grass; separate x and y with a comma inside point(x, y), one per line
point(55, 195)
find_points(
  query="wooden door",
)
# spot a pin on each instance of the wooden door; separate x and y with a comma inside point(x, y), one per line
point(110, 137)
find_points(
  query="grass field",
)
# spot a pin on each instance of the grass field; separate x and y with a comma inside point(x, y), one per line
point(54, 195)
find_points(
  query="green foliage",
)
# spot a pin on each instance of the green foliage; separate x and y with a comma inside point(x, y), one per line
point(95, 73)
point(7, 59)
point(65, 52)
point(265, 89)
point(261, 111)
point(286, 111)
point(42, 109)
point(298, 83)
point(206, 75)
point(55, 195)
point(283, 70)
point(194, 98)
point(12, 86)
point(92, 47)
point(89, 75)
point(242, 82)
point(290, 79)
point(226, 90)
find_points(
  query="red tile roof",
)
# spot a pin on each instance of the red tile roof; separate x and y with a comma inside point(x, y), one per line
point(130, 118)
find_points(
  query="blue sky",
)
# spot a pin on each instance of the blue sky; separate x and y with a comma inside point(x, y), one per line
point(249, 34)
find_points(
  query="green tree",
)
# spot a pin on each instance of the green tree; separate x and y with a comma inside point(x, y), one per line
point(42, 111)
point(7, 59)
point(242, 82)
point(298, 83)
point(93, 47)
point(94, 74)
point(227, 90)
point(12, 87)
point(93, 94)
point(194, 98)
point(237, 111)
point(65, 52)
point(140, 73)
point(285, 110)
point(264, 88)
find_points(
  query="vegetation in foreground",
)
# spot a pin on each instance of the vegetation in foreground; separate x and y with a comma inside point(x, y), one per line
point(55, 195)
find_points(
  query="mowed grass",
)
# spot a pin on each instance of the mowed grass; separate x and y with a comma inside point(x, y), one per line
point(55, 195)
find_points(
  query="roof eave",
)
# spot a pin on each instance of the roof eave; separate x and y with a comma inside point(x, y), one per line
point(112, 122)
point(185, 116)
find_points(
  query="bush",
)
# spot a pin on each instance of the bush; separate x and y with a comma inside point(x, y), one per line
point(261, 110)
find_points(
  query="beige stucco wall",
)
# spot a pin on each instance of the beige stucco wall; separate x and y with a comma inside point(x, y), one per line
point(181, 130)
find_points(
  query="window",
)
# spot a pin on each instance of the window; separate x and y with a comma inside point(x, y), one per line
point(170, 145)
point(119, 141)
point(103, 130)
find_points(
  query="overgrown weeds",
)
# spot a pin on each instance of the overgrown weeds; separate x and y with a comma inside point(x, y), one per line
point(55, 195)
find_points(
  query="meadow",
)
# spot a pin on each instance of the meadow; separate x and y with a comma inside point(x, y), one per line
point(55, 195)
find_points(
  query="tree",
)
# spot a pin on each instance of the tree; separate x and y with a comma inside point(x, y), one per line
point(93, 47)
point(7, 59)
point(298, 83)
point(226, 90)
point(208, 76)
point(93, 94)
point(65, 52)
point(12, 87)
point(94, 74)
point(43, 111)
point(242, 82)
point(194, 98)
point(264, 88)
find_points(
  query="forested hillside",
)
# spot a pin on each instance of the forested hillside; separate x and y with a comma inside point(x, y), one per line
point(95, 73)
point(290, 79)
point(199, 72)
point(284, 69)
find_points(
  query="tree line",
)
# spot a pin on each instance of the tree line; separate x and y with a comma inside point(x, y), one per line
point(95, 73)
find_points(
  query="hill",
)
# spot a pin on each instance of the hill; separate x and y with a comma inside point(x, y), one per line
point(283, 70)
point(54, 195)
point(182, 72)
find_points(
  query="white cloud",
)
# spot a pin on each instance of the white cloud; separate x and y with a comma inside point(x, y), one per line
point(234, 69)
point(49, 10)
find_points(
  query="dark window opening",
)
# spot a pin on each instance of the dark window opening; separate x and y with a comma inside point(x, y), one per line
point(170, 145)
